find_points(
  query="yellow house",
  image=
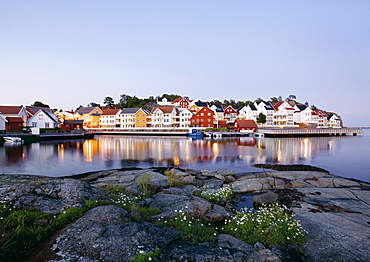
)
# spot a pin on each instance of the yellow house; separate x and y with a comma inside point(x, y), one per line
point(90, 116)
point(141, 117)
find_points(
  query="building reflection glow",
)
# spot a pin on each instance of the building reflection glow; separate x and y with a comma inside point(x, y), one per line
point(104, 152)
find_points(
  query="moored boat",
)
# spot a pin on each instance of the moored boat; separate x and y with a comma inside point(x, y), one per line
point(12, 139)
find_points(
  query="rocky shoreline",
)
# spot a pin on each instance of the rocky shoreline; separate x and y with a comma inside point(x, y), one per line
point(335, 212)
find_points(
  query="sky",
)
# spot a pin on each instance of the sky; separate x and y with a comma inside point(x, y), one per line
point(70, 53)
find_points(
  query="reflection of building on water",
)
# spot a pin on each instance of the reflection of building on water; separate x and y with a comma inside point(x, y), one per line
point(183, 151)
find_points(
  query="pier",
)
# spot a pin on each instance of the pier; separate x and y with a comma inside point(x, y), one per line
point(290, 132)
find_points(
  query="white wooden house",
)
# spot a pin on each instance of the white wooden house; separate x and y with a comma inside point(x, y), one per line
point(43, 119)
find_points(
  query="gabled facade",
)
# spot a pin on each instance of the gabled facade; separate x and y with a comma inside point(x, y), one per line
point(181, 102)
point(184, 115)
point(43, 119)
point(230, 114)
point(14, 111)
point(90, 116)
point(164, 117)
point(268, 110)
point(334, 121)
point(196, 106)
point(303, 116)
point(164, 101)
point(141, 118)
point(218, 109)
point(284, 114)
point(205, 117)
point(248, 112)
point(65, 115)
point(127, 117)
point(321, 118)
point(109, 118)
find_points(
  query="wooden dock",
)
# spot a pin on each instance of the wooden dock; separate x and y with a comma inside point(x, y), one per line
point(290, 132)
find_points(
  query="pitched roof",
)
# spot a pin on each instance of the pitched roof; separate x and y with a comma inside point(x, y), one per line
point(301, 107)
point(164, 109)
point(201, 104)
point(252, 107)
point(268, 106)
point(109, 112)
point(218, 106)
point(12, 110)
point(246, 123)
point(129, 110)
point(14, 119)
point(85, 110)
point(34, 109)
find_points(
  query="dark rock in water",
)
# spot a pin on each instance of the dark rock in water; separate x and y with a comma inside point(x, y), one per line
point(265, 198)
point(106, 233)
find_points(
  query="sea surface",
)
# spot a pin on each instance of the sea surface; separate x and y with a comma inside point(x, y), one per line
point(346, 156)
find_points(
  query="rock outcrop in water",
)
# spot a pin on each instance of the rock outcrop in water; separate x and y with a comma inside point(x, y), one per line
point(335, 212)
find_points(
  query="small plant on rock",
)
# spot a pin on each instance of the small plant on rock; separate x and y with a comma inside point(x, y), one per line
point(130, 203)
point(144, 181)
point(143, 256)
point(269, 225)
point(174, 180)
point(192, 229)
point(218, 196)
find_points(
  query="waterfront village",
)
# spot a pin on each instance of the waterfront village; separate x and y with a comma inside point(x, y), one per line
point(178, 114)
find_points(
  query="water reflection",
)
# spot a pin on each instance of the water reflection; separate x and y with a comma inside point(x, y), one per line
point(59, 158)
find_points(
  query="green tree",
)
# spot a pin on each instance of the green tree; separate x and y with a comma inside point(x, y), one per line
point(261, 119)
point(93, 104)
point(291, 98)
point(108, 102)
point(314, 108)
point(274, 100)
point(259, 100)
point(40, 104)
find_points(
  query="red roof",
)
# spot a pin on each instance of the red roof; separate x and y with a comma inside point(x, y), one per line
point(246, 123)
point(164, 109)
point(110, 112)
point(278, 104)
point(13, 119)
point(12, 110)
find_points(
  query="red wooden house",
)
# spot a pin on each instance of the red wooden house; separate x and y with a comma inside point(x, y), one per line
point(246, 125)
point(203, 118)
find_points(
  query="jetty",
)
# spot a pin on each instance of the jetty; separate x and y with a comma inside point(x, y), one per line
point(300, 132)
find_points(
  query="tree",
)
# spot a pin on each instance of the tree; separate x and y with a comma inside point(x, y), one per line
point(258, 100)
point(108, 102)
point(314, 108)
point(274, 100)
point(261, 119)
point(306, 104)
point(93, 104)
point(291, 98)
point(40, 104)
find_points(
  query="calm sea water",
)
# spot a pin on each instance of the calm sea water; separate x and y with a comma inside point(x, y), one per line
point(344, 156)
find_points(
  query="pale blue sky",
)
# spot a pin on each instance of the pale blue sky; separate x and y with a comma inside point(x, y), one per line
point(67, 53)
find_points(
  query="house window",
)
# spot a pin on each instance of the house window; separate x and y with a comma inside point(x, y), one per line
point(41, 117)
point(47, 125)
point(34, 124)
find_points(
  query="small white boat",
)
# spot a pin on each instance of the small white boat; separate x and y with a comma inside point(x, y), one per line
point(12, 139)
